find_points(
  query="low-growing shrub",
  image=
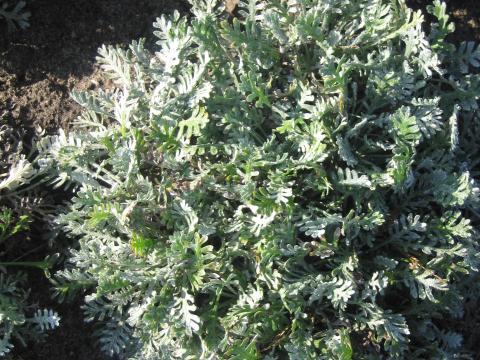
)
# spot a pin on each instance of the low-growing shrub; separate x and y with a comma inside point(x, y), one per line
point(21, 319)
point(299, 181)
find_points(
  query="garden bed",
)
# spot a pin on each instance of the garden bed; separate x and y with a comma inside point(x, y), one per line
point(41, 65)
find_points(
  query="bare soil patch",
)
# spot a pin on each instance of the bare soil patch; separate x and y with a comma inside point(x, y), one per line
point(42, 64)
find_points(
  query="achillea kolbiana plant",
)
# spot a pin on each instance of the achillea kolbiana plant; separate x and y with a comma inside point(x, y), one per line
point(299, 182)
point(21, 320)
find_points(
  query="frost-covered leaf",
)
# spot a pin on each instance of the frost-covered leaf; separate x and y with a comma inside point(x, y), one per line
point(46, 319)
point(19, 174)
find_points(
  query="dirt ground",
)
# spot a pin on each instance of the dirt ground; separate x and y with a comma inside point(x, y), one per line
point(464, 13)
point(42, 64)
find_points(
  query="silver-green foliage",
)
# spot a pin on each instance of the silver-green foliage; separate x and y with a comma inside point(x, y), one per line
point(298, 183)
point(20, 319)
point(14, 14)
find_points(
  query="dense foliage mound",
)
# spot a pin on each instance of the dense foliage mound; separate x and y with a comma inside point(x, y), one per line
point(295, 181)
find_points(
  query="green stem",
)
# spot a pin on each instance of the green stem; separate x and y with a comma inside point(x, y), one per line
point(44, 265)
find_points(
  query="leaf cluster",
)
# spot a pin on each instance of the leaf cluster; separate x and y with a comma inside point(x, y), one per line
point(20, 319)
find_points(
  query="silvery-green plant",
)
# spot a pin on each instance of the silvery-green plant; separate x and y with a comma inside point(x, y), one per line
point(20, 319)
point(298, 182)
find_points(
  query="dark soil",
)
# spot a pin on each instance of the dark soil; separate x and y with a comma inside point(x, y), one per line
point(464, 13)
point(41, 65)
